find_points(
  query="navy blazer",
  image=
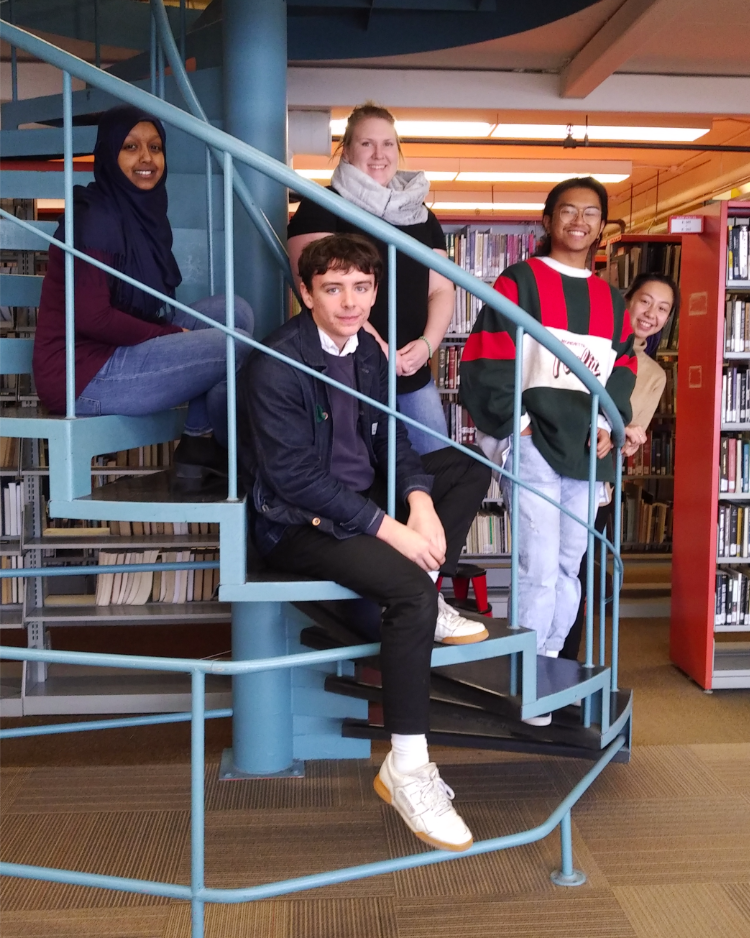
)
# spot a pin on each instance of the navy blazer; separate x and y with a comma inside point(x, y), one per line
point(285, 438)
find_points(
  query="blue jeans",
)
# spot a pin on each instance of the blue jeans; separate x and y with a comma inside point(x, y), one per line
point(425, 406)
point(550, 547)
point(165, 372)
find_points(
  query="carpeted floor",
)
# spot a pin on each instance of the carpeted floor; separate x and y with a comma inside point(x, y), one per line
point(664, 841)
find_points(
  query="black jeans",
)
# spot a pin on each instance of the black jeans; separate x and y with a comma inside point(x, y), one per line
point(408, 596)
point(572, 646)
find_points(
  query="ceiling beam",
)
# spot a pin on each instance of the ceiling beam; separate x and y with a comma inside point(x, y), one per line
point(510, 91)
point(624, 33)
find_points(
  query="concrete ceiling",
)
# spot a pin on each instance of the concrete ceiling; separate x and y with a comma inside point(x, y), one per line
point(693, 37)
point(679, 62)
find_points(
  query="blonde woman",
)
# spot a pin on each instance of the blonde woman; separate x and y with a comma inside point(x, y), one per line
point(368, 175)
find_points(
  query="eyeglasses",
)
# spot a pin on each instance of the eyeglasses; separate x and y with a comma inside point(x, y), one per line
point(571, 213)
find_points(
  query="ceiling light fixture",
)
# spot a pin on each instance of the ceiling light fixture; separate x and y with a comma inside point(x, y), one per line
point(440, 175)
point(537, 177)
point(578, 131)
point(428, 128)
point(322, 174)
point(487, 206)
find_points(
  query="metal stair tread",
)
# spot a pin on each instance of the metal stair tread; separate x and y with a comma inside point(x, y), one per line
point(161, 487)
point(453, 725)
point(553, 676)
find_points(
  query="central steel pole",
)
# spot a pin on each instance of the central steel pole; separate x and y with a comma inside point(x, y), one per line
point(254, 85)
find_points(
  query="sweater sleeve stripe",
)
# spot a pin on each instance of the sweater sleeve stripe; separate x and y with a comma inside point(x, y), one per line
point(494, 345)
point(627, 328)
point(508, 288)
point(602, 313)
point(554, 311)
point(627, 361)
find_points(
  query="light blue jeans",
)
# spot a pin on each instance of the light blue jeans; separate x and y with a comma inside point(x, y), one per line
point(165, 372)
point(550, 547)
point(425, 406)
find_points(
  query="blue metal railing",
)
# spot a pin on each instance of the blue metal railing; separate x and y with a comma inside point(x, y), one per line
point(396, 240)
point(230, 150)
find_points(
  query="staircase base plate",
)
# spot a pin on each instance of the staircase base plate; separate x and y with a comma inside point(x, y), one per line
point(576, 878)
point(228, 772)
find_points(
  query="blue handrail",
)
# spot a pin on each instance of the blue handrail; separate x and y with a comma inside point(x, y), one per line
point(239, 337)
point(263, 225)
point(367, 222)
point(232, 149)
point(334, 203)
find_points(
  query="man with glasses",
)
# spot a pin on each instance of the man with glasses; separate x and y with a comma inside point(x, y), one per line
point(588, 316)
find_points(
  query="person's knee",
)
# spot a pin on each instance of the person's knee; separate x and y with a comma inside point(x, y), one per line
point(242, 349)
point(478, 472)
point(415, 600)
point(244, 317)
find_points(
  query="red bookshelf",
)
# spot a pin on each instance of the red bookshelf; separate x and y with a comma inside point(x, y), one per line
point(695, 645)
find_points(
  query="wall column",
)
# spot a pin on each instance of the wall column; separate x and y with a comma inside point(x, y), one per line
point(254, 92)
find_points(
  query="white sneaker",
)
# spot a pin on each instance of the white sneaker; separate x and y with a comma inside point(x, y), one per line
point(452, 628)
point(424, 801)
point(544, 719)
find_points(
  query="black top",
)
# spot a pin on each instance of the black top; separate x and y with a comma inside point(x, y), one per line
point(412, 280)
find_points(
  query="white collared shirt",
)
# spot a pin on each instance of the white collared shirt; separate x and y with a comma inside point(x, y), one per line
point(330, 346)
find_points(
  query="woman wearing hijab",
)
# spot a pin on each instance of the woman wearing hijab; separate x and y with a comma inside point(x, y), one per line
point(133, 355)
point(368, 176)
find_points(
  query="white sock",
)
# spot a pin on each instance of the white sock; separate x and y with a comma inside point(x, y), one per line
point(409, 752)
point(551, 654)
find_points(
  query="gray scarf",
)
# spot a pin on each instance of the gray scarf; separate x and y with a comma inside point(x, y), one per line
point(401, 202)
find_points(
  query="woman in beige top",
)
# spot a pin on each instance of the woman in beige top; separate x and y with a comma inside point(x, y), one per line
point(651, 299)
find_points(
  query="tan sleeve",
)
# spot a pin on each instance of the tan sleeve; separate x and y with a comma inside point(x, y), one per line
point(649, 386)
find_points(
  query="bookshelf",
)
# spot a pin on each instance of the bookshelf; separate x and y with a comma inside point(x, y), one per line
point(712, 504)
point(484, 248)
point(29, 538)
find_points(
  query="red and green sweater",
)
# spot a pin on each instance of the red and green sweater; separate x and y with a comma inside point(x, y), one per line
point(589, 317)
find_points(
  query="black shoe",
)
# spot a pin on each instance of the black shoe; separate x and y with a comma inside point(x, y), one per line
point(200, 457)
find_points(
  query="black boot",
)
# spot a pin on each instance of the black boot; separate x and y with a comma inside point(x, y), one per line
point(199, 457)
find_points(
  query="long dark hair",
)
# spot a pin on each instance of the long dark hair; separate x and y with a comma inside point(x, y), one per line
point(576, 182)
point(652, 342)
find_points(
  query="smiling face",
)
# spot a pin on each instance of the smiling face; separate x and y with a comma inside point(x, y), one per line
point(374, 149)
point(575, 225)
point(340, 301)
point(650, 307)
point(141, 156)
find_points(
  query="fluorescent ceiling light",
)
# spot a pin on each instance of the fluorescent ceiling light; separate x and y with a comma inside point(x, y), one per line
point(536, 177)
point(429, 128)
point(440, 176)
point(487, 206)
point(315, 173)
point(443, 128)
point(560, 132)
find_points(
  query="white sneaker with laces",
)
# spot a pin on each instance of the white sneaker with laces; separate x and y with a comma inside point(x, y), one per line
point(452, 628)
point(424, 802)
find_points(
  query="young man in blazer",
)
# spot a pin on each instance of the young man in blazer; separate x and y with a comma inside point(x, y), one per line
point(315, 460)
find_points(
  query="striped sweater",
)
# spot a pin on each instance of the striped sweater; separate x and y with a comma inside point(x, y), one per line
point(588, 316)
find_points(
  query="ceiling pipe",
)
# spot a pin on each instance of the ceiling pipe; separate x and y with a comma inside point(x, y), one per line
point(562, 145)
